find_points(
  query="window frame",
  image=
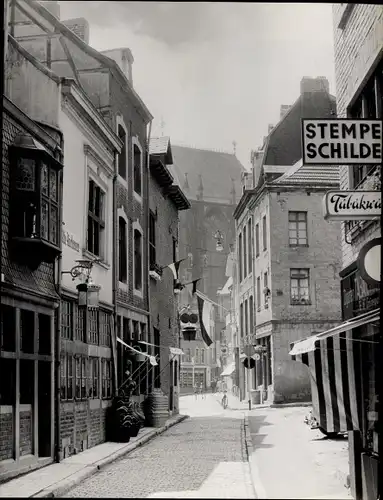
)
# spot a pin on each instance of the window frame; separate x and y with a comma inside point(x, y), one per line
point(122, 250)
point(106, 377)
point(136, 144)
point(82, 361)
point(98, 220)
point(264, 233)
point(244, 232)
point(240, 245)
point(265, 285)
point(250, 245)
point(298, 275)
point(259, 302)
point(152, 239)
point(124, 149)
point(257, 242)
point(137, 291)
point(297, 214)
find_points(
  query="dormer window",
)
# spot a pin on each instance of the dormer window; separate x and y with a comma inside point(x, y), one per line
point(35, 199)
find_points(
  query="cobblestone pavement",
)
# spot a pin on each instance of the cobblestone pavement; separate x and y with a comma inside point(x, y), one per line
point(204, 457)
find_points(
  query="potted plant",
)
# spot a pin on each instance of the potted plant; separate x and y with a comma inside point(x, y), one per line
point(124, 419)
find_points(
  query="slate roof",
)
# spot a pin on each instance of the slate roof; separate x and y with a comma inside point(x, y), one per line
point(310, 174)
point(158, 145)
point(217, 172)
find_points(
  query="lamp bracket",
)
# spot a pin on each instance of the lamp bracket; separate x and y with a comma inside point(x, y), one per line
point(84, 266)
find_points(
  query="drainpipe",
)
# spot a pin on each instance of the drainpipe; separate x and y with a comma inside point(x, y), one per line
point(151, 386)
point(57, 374)
point(114, 274)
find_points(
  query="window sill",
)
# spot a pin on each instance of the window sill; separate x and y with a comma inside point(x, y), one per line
point(122, 181)
point(137, 196)
point(91, 256)
point(123, 286)
point(308, 303)
point(297, 245)
point(138, 293)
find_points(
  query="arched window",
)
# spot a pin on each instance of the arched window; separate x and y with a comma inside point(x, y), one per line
point(122, 155)
point(122, 251)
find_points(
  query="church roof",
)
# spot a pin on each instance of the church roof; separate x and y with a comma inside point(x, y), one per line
point(207, 175)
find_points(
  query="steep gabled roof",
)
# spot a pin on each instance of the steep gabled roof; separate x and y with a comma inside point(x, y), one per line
point(310, 174)
point(161, 146)
point(208, 175)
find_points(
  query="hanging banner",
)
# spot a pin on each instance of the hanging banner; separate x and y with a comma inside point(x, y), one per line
point(341, 141)
point(352, 205)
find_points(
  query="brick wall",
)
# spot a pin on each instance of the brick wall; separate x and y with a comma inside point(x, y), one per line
point(67, 429)
point(162, 299)
point(42, 278)
point(25, 432)
point(322, 257)
point(81, 423)
point(6, 436)
point(354, 47)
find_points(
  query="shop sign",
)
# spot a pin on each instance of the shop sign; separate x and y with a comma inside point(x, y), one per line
point(368, 262)
point(70, 241)
point(341, 141)
point(352, 205)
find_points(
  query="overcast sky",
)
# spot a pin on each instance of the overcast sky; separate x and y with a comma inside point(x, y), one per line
point(215, 72)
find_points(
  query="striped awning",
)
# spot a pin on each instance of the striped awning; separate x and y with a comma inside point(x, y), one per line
point(334, 368)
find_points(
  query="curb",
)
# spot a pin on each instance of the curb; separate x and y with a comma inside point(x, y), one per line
point(258, 488)
point(66, 484)
point(290, 405)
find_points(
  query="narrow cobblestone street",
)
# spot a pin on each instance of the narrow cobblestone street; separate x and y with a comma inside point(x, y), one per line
point(204, 457)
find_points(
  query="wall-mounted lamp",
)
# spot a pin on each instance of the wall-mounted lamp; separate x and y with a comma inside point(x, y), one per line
point(88, 292)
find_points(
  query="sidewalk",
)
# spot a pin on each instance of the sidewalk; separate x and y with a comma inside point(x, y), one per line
point(56, 479)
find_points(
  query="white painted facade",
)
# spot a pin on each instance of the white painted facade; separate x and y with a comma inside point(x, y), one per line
point(89, 152)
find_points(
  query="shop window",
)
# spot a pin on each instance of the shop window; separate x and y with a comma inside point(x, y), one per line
point(96, 219)
point(122, 251)
point(66, 320)
point(27, 381)
point(45, 345)
point(81, 376)
point(104, 328)
point(79, 316)
point(7, 381)
point(93, 326)
point(106, 378)
point(27, 331)
point(93, 383)
point(7, 328)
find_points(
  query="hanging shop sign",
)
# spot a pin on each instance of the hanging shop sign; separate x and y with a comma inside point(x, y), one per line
point(352, 205)
point(341, 141)
point(368, 261)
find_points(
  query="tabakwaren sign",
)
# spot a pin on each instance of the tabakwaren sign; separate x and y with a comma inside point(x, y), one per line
point(352, 205)
point(341, 141)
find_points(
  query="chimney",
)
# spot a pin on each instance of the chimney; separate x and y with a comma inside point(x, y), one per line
point(124, 58)
point(79, 26)
point(318, 84)
point(53, 7)
point(284, 110)
point(256, 161)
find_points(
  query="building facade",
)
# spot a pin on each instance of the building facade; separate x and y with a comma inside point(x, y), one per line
point(31, 244)
point(358, 35)
point(166, 201)
point(287, 277)
point(86, 364)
